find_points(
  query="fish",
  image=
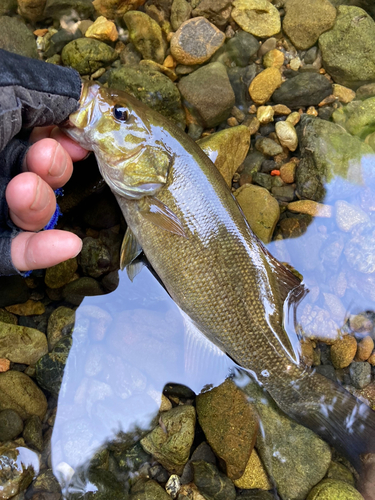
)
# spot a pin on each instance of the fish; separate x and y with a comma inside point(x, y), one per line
point(181, 214)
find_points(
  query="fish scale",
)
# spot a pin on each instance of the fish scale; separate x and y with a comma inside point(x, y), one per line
point(191, 229)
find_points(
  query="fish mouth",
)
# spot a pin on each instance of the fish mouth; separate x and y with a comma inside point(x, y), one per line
point(125, 157)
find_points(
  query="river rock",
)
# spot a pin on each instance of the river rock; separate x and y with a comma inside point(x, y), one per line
point(87, 55)
point(19, 393)
point(212, 483)
point(16, 37)
point(268, 147)
point(50, 368)
point(273, 59)
point(330, 489)
point(227, 149)
point(305, 22)
point(254, 477)
point(216, 11)
point(115, 8)
point(208, 94)
point(103, 30)
point(287, 135)
point(294, 469)
point(172, 448)
point(360, 252)
point(229, 425)
point(75, 291)
point(11, 425)
point(195, 41)
point(343, 351)
point(264, 85)
point(347, 48)
point(32, 433)
point(327, 152)
point(102, 482)
point(258, 17)
point(31, 9)
point(146, 35)
point(22, 344)
point(13, 289)
point(237, 52)
point(305, 89)
point(343, 94)
point(180, 12)
point(365, 91)
point(95, 258)
point(147, 490)
point(56, 9)
point(357, 117)
point(59, 275)
point(339, 472)
point(46, 482)
point(60, 323)
point(8, 7)
point(360, 374)
point(260, 208)
point(19, 466)
point(152, 88)
point(348, 216)
point(365, 348)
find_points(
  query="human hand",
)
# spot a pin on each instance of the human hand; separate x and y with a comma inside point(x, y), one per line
point(48, 165)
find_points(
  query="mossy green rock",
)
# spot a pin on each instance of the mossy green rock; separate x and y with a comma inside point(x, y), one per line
point(294, 456)
point(327, 151)
point(347, 49)
point(16, 37)
point(11, 425)
point(339, 472)
point(357, 117)
point(227, 149)
point(211, 483)
point(21, 344)
point(59, 275)
point(180, 12)
point(87, 55)
point(32, 432)
point(148, 490)
point(55, 9)
point(152, 88)
point(7, 317)
point(60, 323)
point(330, 489)
point(208, 95)
point(18, 392)
point(171, 444)
point(103, 483)
point(50, 368)
point(146, 35)
point(237, 51)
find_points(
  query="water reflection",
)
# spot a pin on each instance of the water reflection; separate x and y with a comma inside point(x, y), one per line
point(126, 347)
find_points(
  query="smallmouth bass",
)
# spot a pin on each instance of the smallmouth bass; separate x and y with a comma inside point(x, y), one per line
point(180, 212)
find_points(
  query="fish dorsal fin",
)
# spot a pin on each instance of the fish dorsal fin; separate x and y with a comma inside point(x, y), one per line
point(159, 214)
point(130, 249)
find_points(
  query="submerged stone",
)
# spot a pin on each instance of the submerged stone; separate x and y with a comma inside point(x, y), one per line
point(258, 17)
point(212, 483)
point(330, 489)
point(305, 89)
point(19, 466)
point(16, 37)
point(18, 392)
point(22, 344)
point(87, 55)
point(146, 35)
point(50, 368)
point(11, 425)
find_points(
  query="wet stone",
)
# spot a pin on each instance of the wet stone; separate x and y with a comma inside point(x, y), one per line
point(343, 351)
point(365, 348)
point(46, 481)
point(292, 227)
point(196, 41)
point(208, 94)
point(260, 209)
point(360, 374)
point(95, 258)
point(339, 472)
point(32, 432)
point(180, 12)
point(328, 489)
point(102, 482)
point(146, 35)
point(115, 8)
point(346, 48)
point(59, 275)
point(344, 94)
point(56, 9)
point(60, 323)
point(19, 466)
point(262, 180)
point(268, 147)
point(16, 37)
point(254, 477)
point(305, 89)
point(18, 392)
point(75, 291)
point(21, 344)
point(50, 368)
point(287, 135)
point(103, 30)
point(305, 21)
point(87, 55)
point(11, 425)
point(216, 11)
point(360, 252)
point(147, 490)
point(264, 85)
point(258, 17)
point(348, 216)
point(212, 483)
point(172, 449)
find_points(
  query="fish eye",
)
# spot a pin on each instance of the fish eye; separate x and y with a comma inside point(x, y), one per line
point(120, 113)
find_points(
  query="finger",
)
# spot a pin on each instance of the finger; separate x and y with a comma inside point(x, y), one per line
point(75, 151)
point(31, 201)
point(45, 249)
point(48, 159)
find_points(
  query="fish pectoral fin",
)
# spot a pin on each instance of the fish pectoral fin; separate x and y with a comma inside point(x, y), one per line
point(159, 214)
point(134, 269)
point(130, 249)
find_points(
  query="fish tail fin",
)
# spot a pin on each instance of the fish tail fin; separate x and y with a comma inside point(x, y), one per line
point(341, 419)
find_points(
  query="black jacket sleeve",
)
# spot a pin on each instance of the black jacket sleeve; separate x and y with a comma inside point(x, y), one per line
point(32, 94)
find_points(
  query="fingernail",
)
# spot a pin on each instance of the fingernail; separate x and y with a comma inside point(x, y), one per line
point(59, 162)
point(42, 197)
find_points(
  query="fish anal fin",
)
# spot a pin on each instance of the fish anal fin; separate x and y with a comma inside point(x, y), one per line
point(159, 214)
point(130, 249)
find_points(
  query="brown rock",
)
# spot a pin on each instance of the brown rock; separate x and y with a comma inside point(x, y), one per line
point(254, 477)
point(273, 59)
point(371, 359)
point(343, 94)
point(343, 351)
point(305, 21)
point(280, 110)
point(365, 348)
point(195, 41)
point(230, 425)
point(4, 365)
point(216, 11)
point(19, 393)
point(116, 8)
point(287, 172)
point(103, 30)
point(265, 114)
point(31, 9)
point(29, 308)
point(294, 118)
point(264, 85)
point(311, 208)
point(307, 352)
point(253, 125)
